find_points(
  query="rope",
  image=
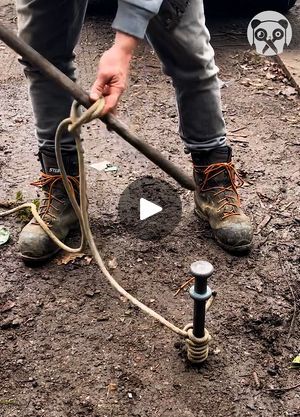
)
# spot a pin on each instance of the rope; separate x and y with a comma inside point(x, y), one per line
point(197, 348)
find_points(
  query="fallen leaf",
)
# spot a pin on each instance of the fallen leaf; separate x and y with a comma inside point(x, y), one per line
point(88, 259)
point(112, 263)
point(296, 363)
point(7, 306)
point(4, 235)
point(112, 387)
point(67, 258)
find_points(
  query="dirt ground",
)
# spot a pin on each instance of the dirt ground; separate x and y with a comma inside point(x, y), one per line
point(70, 346)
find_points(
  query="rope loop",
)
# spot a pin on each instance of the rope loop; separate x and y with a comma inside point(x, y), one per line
point(92, 113)
point(197, 348)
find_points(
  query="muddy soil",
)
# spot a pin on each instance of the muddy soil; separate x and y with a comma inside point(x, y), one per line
point(70, 346)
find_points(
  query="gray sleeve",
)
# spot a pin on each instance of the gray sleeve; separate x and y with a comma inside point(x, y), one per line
point(133, 16)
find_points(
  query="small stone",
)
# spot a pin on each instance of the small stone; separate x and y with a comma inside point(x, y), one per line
point(130, 395)
point(89, 293)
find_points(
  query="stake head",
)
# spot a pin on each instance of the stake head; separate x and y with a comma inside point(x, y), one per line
point(202, 269)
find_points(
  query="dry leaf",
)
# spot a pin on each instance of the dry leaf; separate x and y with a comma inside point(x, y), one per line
point(7, 306)
point(111, 387)
point(296, 363)
point(67, 258)
point(88, 260)
point(112, 263)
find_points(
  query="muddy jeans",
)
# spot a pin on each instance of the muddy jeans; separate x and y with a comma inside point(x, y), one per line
point(53, 28)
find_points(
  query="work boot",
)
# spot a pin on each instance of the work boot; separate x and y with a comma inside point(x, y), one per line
point(55, 209)
point(217, 199)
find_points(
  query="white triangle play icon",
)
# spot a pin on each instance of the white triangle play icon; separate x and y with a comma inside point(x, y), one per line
point(148, 209)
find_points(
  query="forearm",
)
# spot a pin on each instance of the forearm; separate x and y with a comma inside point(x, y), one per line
point(126, 43)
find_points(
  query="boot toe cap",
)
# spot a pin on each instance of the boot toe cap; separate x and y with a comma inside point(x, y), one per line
point(235, 237)
point(34, 244)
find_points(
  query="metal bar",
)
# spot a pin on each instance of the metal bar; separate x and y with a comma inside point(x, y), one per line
point(200, 292)
point(50, 71)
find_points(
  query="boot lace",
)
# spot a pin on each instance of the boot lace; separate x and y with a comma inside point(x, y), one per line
point(47, 183)
point(230, 203)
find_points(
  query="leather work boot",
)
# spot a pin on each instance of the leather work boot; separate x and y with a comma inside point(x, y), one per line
point(217, 199)
point(55, 209)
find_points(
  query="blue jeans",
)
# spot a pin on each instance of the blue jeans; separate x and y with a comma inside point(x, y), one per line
point(53, 29)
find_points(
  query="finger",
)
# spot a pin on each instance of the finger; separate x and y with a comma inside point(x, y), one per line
point(96, 91)
point(111, 103)
point(99, 86)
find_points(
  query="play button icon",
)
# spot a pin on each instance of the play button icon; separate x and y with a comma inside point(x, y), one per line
point(149, 208)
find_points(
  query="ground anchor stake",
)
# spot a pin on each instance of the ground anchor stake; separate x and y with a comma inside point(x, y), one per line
point(198, 336)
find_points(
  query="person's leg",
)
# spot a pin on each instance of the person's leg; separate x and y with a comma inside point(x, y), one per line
point(52, 28)
point(188, 58)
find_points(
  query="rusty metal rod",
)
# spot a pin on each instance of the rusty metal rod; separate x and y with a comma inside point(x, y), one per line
point(50, 71)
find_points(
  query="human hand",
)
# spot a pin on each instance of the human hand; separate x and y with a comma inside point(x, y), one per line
point(113, 72)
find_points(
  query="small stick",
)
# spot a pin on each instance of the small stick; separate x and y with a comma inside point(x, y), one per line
point(263, 223)
point(239, 129)
point(287, 206)
point(238, 140)
point(282, 389)
point(183, 286)
point(257, 382)
point(237, 134)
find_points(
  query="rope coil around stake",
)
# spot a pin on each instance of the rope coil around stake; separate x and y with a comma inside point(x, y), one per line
point(197, 348)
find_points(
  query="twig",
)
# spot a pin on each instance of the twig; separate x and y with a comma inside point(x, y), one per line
point(284, 389)
point(183, 286)
point(287, 206)
point(238, 129)
point(237, 134)
point(232, 138)
point(263, 223)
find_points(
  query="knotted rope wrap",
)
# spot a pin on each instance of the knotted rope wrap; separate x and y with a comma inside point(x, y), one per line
point(197, 348)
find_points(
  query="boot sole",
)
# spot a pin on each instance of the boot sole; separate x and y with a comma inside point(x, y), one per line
point(243, 249)
point(31, 261)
